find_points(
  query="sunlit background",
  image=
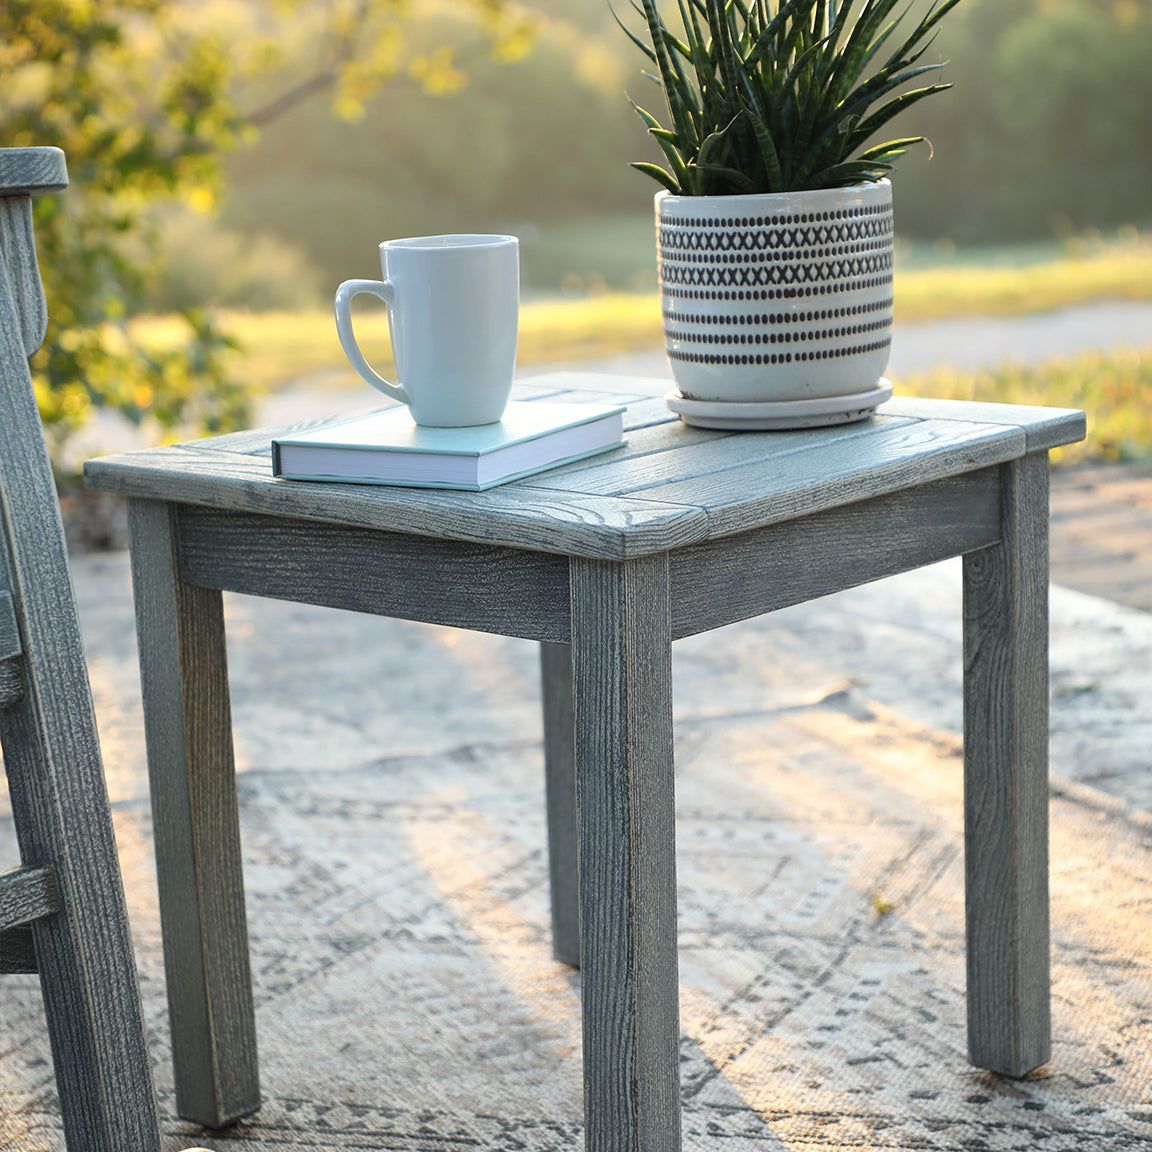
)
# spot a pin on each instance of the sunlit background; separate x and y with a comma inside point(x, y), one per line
point(234, 160)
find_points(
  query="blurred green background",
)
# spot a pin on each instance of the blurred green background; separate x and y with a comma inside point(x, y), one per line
point(1046, 136)
point(234, 160)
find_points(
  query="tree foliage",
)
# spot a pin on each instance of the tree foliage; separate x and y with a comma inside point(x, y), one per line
point(135, 125)
point(544, 138)
point(144, 98)
point(1051, 124)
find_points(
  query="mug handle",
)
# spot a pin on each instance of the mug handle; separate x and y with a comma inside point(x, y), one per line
point(385, 290)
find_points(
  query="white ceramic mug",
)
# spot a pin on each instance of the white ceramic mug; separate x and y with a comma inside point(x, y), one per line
point(453, 306)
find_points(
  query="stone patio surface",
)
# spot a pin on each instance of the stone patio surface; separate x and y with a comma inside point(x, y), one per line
point(391, 801)
point(392, 815)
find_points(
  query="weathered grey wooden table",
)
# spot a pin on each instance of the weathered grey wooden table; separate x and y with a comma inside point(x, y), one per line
point(606, 562)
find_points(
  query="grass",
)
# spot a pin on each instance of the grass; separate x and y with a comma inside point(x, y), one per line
point(280, 346)
point(1114, 389)
point(950, 291)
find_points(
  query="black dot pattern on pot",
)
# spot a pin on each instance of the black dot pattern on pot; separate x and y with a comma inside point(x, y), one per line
point(776, 288)
point(754, 358)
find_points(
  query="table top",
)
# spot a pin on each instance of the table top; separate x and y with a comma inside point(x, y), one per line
point(670, 486)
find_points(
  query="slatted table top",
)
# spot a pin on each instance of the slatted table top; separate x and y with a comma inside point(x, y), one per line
point(670, 486)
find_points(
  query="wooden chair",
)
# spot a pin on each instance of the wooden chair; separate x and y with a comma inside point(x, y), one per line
point(62, 913)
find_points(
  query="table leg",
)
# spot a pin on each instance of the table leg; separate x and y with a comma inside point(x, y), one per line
point(560, 800)
point(1006, 780)
point(188, 729)
point(622, 677)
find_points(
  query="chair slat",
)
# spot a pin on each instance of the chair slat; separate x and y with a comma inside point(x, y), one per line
point(51, 750)
point(11, 683)
point(17, 953)
point(9, 631)
point(30, 171)
point(26, 894)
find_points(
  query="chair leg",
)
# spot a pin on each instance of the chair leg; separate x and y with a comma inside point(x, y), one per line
point(84, 951)
point(560, 800)
point(1006, 780)
point(622, 675)
point(188, 728)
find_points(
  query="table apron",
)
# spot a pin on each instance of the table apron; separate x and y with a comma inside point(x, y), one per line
point(515, 592)
point(485, 587)
point(736, 577)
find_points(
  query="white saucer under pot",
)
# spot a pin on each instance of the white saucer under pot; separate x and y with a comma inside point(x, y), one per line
point(777, 415)
point(779, 297)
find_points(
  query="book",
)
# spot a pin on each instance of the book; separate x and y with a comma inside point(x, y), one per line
point(388, 447)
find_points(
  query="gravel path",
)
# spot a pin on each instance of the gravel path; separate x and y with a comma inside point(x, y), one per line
point(978, 341)
point(985, 341)
point(975, 342)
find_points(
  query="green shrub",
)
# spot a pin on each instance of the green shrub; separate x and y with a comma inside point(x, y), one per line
point(1113, 388)
point(1049, 128)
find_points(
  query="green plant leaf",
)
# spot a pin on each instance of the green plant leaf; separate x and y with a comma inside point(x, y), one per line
point(710, 147)
point(669, 143)
point(657, 173)
point(894, 107)
point(891, 148)
point(738, 178)
point(726, 53)
point(632, 35)
point(845, 131)
point(786, 99)
point(700, 60)
point(678, 99)
point(851, 172)
point(647, 117)
point(854, 56)
point(768, 154)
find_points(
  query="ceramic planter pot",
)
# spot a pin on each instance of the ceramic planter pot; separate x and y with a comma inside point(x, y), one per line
point(778, 304)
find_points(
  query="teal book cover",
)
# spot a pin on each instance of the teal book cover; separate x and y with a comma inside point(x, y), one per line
point(388, 447)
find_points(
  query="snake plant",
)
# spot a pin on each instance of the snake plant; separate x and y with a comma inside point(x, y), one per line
point(784, 100)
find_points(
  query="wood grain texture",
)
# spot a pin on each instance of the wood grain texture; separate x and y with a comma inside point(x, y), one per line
point(28, 171)
point(27, 894)
point(622, 690)
point(480, 586)
point(597, 383)
point(195, 815)
point(18, 252)
point(11, 683)
point(744, 575)
point(1006, 781)
point(838, 472)
point(9, 629)
point(719, 490)
point(17, 952)
point(733, 525)
point(670, 487)
point(1042, 427)
point(55, 776)
point(681, 454)
point(560, 800)
point(512, 515)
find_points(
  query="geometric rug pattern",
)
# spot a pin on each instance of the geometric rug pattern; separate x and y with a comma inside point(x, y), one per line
point(406, 994)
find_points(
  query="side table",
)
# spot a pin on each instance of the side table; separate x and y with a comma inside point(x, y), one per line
point(605, 562)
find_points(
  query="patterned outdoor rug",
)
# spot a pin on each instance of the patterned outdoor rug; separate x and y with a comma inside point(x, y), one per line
point(406, 995)
point(407, 998)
